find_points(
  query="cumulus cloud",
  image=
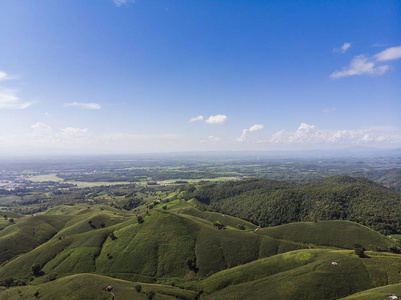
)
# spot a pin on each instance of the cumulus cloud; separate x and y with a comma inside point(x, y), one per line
point(310, 135)
point(198, 118)
point(218, 119)
point(389, 54)
point(119, 3)
point(10, 100)
point(360, 66)
point(45, 135)
point(256, 128)
point(253, 128)
point(242, 138)
point(85, 105)
point(343, 48)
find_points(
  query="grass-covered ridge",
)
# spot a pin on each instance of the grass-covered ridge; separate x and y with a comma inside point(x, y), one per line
point(159, 247)
point(341, 234)
point(304, 274)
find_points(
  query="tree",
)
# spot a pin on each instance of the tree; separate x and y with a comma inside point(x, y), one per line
point(138, 288)
point(139, 219)
point(35, 269)
point(8, 282)
point(359, 250)
point(241, 227)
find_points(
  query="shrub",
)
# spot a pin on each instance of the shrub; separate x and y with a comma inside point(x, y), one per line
point(151, 295)
point(359, 250)
point(8, 282)
point(241, 227)
point(35, 269)
point(138, 288)
point(139, 219)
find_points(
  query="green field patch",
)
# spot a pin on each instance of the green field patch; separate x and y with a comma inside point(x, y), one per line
point(47, 177)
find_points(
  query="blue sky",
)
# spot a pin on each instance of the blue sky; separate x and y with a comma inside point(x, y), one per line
point(105, 76)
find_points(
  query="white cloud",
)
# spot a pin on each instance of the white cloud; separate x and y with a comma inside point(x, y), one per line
point(256, 128)
point(84, 105)
point(310, 135)
point(122, 2)
point(360, 66)
point(389, 54)
point(10, 100)
point(218, 119)
point(74, 140)
point(3, 76)
point(253, 128)
point(242, 138)
point(198, 118)
point(213, 138)
point(343, 48)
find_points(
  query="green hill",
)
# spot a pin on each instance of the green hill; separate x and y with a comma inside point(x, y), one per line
point(159, 247)
point(269, 202)
point(91, 286)
point(390, 178)
point(304, 274)
point(341, 234)
point(377, 293)
point(28, 233)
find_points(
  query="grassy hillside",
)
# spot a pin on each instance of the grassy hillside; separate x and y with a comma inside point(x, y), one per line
point(28, 233)
point(377, 293)
point(341, 234)
point(159, 247)
point(91, 286)
point(269, 202)
point(304, 274)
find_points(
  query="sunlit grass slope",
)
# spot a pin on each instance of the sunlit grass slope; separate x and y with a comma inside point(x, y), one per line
point(304, 274)
point(377, 293)
point(342, 234)
point(28, 233)
point(159, 247)
point(91, 286)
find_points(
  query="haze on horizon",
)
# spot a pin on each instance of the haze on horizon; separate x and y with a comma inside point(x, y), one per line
point(120, 77)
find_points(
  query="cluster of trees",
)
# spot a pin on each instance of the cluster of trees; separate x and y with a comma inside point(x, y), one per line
point(267, 202)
